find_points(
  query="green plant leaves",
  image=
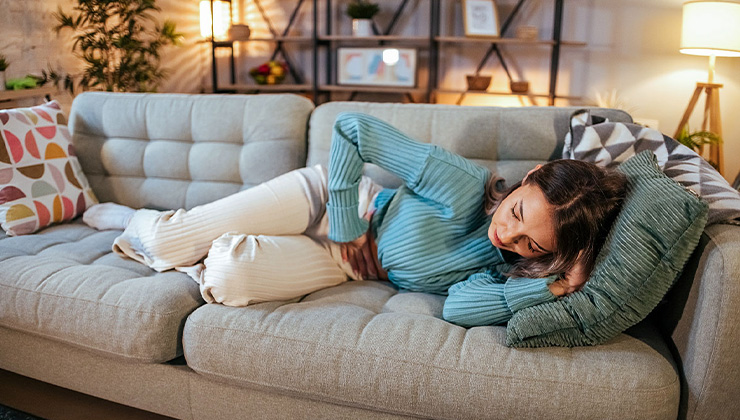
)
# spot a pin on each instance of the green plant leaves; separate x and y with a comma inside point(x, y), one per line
point(120, 43)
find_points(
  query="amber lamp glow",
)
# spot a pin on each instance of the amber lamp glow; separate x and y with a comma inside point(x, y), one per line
point(221, 19)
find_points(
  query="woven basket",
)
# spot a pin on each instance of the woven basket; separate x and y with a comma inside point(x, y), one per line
point(478, 83)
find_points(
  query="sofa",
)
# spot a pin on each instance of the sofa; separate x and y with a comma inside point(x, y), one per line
point(76, 315)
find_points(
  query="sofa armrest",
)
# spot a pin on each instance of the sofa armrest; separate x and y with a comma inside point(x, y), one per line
point(708, 333)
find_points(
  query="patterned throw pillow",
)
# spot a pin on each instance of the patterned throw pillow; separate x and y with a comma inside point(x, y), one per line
point(609, 143)
point(41, 181)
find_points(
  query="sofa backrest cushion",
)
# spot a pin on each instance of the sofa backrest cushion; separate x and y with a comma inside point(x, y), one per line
point(508, 141)
point(170, 151)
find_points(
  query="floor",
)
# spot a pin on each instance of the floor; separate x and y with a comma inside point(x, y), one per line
point(55, 403)
point(7, 413)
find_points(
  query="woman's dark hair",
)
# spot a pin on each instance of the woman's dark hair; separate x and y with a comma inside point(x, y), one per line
point(586, 200)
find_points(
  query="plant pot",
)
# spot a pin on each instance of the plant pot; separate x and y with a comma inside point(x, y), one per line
point(519, 87)
point(527, 33)
point(362, 27)
point(238, 32)
point(2, 80)
point(478, 83)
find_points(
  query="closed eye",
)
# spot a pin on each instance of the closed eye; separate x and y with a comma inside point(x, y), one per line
point(529, 242)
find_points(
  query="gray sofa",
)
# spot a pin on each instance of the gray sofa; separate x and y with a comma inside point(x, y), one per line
point(76, 315)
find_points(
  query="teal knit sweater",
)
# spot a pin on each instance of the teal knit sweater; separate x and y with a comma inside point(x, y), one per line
point(432, 231)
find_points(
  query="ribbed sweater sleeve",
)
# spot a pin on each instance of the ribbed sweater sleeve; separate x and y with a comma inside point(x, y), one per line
point(428, 170)
point(483, 299)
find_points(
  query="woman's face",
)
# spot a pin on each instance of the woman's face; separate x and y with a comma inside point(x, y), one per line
point(523, 223)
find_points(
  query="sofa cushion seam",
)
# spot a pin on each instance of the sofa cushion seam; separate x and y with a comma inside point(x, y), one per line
point(345, 401)
point(717, 335)
point(97, 303)
point(87, 347)
point(359, 351)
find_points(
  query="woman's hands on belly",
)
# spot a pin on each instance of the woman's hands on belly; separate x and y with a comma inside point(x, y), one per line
point(362, 255)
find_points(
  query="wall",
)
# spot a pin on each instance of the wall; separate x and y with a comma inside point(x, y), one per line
point(30, 44)
point(632, 47)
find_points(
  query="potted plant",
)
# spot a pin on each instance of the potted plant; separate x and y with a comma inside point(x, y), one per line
point(697, 140)
point(3, 65)
point(119, 42)
point(362, 12)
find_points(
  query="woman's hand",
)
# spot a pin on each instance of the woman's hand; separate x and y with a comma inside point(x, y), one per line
point(573, 280)
point(362, 255)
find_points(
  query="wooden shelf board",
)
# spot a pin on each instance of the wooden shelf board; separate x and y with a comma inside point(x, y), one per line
point(11, 95)
point(273, 88)
point(573, 43)
point(492, 40)
point(371, 89)
point(374, 39)
point(509, 41)
point(478, 92)
point(281, 39)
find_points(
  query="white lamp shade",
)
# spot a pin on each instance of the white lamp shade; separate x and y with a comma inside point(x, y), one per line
point(711, 28)
point(221, 19)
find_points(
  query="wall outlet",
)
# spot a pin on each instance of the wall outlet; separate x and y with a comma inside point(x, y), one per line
point(647, 122)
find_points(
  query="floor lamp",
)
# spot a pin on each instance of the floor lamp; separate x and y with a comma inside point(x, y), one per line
point(710, 28)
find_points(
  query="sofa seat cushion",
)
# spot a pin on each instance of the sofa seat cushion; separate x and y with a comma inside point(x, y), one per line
point(364, 344)
point(64, 283)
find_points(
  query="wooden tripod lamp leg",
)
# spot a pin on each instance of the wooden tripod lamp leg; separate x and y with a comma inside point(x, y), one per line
point(715, 126)
point(711, 116)
point(689, 109)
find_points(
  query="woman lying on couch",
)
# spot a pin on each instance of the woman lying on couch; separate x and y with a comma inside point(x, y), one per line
point(445, 230)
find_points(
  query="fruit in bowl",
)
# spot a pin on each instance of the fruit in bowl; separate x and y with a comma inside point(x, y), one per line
point(269, 73)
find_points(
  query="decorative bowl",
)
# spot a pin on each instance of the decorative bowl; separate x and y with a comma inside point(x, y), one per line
point(519, 87)
point(478, 82)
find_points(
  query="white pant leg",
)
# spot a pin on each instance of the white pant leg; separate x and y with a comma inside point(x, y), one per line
point(285, 205)
point(243, 269)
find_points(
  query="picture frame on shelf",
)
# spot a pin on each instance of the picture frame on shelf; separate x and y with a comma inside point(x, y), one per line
point(388, 66)
point(480, 18)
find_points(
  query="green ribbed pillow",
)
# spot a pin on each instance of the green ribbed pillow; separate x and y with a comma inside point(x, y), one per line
point(652, 238)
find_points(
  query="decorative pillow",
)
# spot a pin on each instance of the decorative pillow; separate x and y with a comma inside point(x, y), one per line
point(653, 236)
point(608, 144)
point(41, 181)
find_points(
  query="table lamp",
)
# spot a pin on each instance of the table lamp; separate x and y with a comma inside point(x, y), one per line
point(710, 28)
point(217, 27)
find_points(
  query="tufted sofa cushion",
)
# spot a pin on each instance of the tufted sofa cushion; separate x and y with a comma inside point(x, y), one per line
point(64, 283)
point(364, 344)
point(171, 151)
point(508, 141)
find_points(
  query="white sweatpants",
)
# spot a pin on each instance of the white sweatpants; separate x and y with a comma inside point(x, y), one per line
point(265, 243)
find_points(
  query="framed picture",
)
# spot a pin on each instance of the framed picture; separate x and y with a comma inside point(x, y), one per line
point(480, 18)
point(376, 67)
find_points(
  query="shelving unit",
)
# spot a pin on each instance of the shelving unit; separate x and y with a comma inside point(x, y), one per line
point(497, 44)
point(279, 39)
point(8, 97)
point(328, 41)
point(323, 44)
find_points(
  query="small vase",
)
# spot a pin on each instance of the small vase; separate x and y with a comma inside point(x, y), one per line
point(2, 80)
point(362, 27)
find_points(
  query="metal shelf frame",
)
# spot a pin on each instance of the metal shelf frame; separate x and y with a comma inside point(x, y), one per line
point(383, 36)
